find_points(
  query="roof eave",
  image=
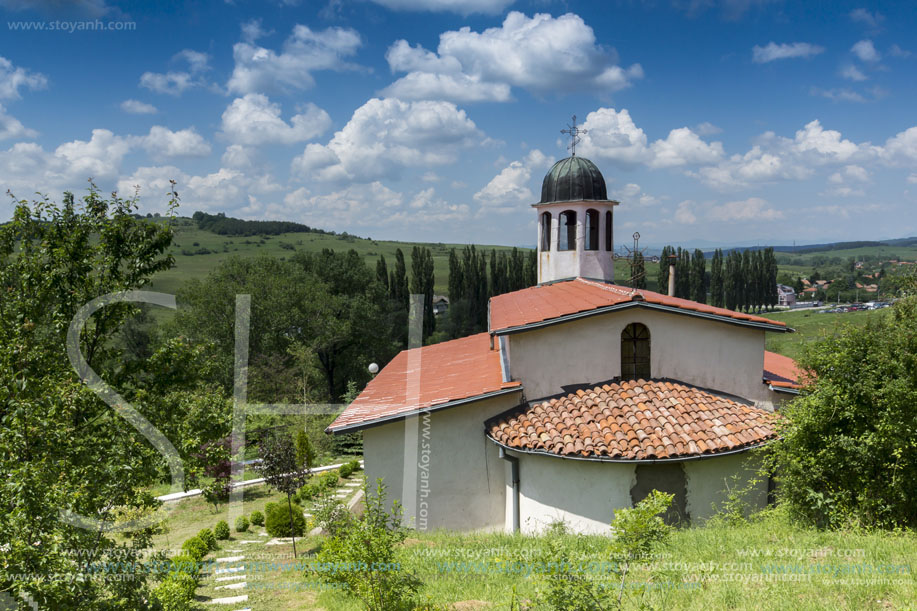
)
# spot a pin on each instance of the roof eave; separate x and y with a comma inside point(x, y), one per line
point(642, 304)
point(365, 424)
point(633, 461)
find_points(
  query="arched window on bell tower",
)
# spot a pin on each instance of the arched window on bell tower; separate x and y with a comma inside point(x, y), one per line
point(608, 228)
point(566, 233)
point(546, 232)
point(592, 230)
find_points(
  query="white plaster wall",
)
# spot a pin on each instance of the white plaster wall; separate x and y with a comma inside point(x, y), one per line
point(558, 264)
point(463, 482)
point(704, 353)
point(583, 494)
point(709, 481)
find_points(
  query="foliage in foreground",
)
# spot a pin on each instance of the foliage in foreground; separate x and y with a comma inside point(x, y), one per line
point(849, 450)
point(360, 555)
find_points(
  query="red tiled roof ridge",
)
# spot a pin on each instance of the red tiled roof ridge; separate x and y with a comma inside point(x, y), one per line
point(553, 301)
point(634, 420)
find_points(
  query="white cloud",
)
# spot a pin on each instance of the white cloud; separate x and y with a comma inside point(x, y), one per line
point(772, 51)
point(862, 15)
point(684, 213)
point(462, 7)
point(682, 147)
point(751, 209)
point(371, 205)
point(755, 166)
point(852, 73)
point(177, 81)
point(510, 189)
point(613, 135)
point(258, 69)
point(11, 127)
point(385, 136)
point(162, 142)
point(238, 157)
point(865, 50)
point(828, 144)
point(254, 120)
point(136, 107)
point(896, 51)
point(901, 149)
point(541, 54)
point(707, 129)
point(13, 78)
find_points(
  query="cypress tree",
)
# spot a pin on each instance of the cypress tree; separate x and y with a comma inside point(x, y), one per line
point(398, 283)
point(662, 275)
point(716, 279)
point(731, 280)
point(382, 272)
point(495, 281)
point(771, 265)
point(683, 274)
point(456, 284)
point(638, 274)
point(744, 281)
point(531, 268)
point(698, 277)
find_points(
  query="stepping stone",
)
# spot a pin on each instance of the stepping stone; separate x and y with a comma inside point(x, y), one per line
point(230, 578)
point(280, 541)
point(253, 541)
point(230, 559)
point(234, 569)
point(341, 493)
point(229, 600)
point(232, 551)
point(231, 586)
point(262, 534)
point(352, 484)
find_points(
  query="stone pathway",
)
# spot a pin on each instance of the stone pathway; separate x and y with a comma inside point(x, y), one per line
point(238, 580)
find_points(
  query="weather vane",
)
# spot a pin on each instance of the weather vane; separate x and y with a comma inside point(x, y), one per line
point(574, 132)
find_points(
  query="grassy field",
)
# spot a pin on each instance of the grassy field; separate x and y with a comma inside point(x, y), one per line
point(810, 326)
point(766, 563)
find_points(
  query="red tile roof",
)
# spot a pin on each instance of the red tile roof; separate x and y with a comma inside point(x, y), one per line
point(552, 301)
point(781, 371)
point(424, 378)
point(634, 420)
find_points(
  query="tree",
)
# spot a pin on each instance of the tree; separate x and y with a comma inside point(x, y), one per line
point(717, 279)
point(282, 470)
point(698, 277)
point(662, 275)
point(638, 273)
point(382, 273)
point(848, 451)
point(732, 280)
point(305, 453)
point(64, 449)
point(398, 284)
point(422, 281)
point(683, 274)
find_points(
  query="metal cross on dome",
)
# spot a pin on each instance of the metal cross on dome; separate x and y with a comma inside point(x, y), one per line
point(574, 132)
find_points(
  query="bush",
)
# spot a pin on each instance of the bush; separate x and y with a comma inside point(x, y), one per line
point(257, 518)
point(354, 465)
point(328, 479)
point(346, 470)
point(241, 524)
point(847, 451)
point(277, 520)
point(307, 492)
point(185, 564)
point(176, 592)
point(221, 530)
point(206, 535)
point(366, 543)
point(330, 513)
point(195, 548)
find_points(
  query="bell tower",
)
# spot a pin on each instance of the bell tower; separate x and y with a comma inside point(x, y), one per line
point(575, 221)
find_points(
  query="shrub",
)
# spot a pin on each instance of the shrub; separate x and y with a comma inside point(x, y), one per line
point(196, 548)
point(355, 465)
point(184, 563)
point(346, 470)
point(241, 524)
point(277, 520)
point(221, 530)
point(364, 545)
point(308, 492)
point(328, 479)
point(257, 518)
point(331, 515)
point(176, 592)
point(206, 535)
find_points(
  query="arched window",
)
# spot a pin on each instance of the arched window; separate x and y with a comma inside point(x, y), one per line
point(592, 230)
point(566, 233)
point(608, 230)
point(545, 231)
point(635, 352)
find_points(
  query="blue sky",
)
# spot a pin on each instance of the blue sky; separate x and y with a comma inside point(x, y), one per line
point(714, 121)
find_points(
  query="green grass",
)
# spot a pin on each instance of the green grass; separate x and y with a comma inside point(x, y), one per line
point(766, 563)
point(810, 326)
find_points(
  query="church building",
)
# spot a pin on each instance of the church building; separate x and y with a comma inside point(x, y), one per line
point(581, 397)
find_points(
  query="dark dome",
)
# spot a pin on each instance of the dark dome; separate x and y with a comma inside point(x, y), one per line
point(573, 179)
